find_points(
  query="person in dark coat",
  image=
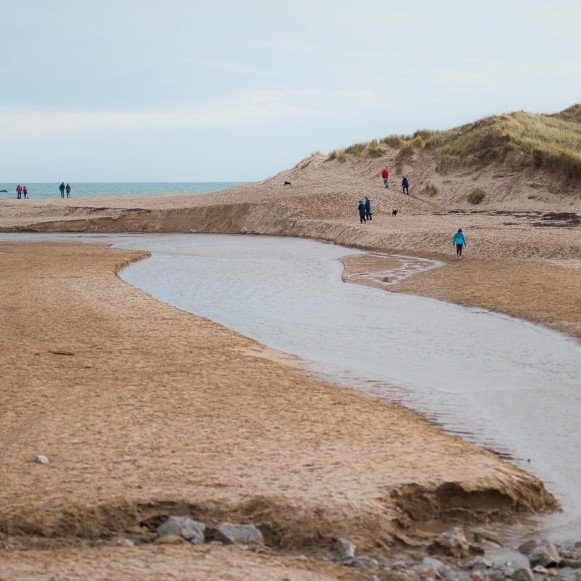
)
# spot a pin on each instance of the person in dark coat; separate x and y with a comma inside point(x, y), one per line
point(361, 208)
point(367, 208)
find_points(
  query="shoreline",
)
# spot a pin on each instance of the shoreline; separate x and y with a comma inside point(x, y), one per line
point(472, 473)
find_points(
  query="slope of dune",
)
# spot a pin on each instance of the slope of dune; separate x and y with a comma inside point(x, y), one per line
point(516, 160)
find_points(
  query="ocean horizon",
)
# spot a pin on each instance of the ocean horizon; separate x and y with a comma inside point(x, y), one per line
point(49, 190)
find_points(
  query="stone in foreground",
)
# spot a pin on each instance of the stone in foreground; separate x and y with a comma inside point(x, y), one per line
point(361, 563)
point(239, 534)
point(523, 574)
point(185, 527)
point(42, 460)
point(121, 541)
point(345, 549)
point(545, 554)
point(452, 543)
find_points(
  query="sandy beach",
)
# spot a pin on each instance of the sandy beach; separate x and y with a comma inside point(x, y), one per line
point(523, 260)
point(147, 411)
point(290, 291)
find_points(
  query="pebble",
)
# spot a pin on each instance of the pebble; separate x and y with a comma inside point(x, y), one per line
point(527, 547)
point(345, 549)
point(523, 574)
point(42, 460)
point(452, 543)
point(572, 563)
point(361, 563)
point(544, 554)
point(482, 536)
point(480, 564)
point(184, 527)
point(122, 542)
point(239, 534)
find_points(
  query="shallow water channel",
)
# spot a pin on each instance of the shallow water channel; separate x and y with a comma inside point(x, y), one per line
point(510, 385)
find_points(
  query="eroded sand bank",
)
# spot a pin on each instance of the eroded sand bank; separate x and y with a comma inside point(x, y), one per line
point(146, 411)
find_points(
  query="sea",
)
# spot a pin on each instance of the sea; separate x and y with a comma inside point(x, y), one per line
point(44, 191)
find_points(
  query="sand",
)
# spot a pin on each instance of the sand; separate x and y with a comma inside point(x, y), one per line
point(146, 411)
point(524, 262)
point(153, 562)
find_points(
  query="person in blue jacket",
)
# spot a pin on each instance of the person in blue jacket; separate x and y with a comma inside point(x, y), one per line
point(460, 241)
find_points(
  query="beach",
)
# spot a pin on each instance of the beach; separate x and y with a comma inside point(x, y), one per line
point(523, 260)
point(147, 411)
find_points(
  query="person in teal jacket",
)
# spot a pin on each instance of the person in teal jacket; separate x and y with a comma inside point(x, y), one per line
point(361, 208)
point(460, 241)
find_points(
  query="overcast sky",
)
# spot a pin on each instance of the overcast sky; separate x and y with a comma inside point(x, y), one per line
point(189, 90)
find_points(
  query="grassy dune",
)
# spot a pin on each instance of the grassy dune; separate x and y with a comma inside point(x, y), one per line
point(551, 143)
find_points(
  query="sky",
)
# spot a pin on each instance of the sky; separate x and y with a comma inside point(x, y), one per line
point(226, 90)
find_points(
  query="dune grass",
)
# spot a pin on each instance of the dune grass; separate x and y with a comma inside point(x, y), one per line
point(405, 155)
point(429, 189)
point(394, 141)
point(548, 142)
point(476, 196)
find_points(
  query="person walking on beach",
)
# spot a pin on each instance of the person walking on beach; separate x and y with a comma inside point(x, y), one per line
point(18, 192)
point(459, 240)
point(361, 208)
point(24, 192)
point(385, 177)
point(62, 189)
point(405, 186)
point(68, 189)
point(367, 208)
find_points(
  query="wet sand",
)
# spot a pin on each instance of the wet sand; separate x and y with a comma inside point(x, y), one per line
point(145, 411)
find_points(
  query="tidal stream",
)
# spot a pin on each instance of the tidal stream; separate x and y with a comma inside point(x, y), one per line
point(509, 385)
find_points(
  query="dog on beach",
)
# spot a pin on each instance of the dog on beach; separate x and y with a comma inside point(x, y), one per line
point(287, 183)
point(394, 212)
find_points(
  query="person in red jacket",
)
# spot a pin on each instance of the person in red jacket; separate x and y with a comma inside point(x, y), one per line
point(18, 192)
point(385, 176)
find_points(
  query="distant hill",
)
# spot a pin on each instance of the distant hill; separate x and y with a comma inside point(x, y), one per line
point(513, 159)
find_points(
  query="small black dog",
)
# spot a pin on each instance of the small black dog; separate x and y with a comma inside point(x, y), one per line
point(394, 212)
point(287, 183)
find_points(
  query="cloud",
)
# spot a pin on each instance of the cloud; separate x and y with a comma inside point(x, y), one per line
point(244, 108)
